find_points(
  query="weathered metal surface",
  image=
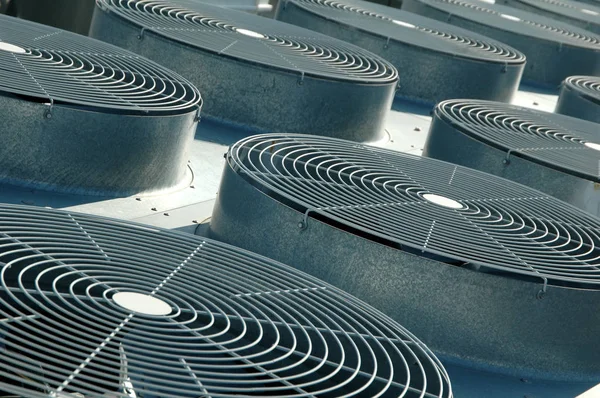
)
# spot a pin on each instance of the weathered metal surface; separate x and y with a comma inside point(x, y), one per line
point(554, 49)
point(271, 77)
point(436, 61)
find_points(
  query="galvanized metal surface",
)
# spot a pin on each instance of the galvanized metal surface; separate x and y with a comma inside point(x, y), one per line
point(585, 16)
point(580, 97)
point(555, 154)
point(128, 310)
point(71, 15)
point(436, 61)
point(554, 49)
point(279, 73)
point(460, 289)
point(84, 117)
point(406, 131)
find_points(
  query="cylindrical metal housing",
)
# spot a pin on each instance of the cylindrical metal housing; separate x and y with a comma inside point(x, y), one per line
point(585, 16)
point(489, 272)
point(554, 49)
point(580, 97)
point(556, 154)
point(81, 116)
point(71, 15)
point(256, 72)
point(96, 307)
point(436, 61)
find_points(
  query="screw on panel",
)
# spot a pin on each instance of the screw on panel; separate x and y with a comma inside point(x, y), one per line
point(301, 80)
point(505, 67)
point(303, 224)
point(197, 118)
point(141, 34)
point(387, 43)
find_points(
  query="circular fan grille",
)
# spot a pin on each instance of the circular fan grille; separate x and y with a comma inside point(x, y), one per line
point(517, 21)
point(587, 85)
point(571, 9)
point(414, 29)
point(557, 141)
point(50, 64)
point(107, 308)
point(255, 39)
point(424, 205)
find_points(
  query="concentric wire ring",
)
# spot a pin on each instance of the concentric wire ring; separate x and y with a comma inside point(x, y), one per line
point(556, 141)
point(518, 21)
point(108, 308)
point(418, 31)
point(49, 64)
point(425, 206)
point(246, 37)
point(587, 86)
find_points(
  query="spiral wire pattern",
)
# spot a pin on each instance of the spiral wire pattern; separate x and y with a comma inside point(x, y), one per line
point(517, 21)
point(489, 223)
point(236, 324)
point(572, 9)
point(46, 63)
point(414, 29)
point(588, 86)
point(259, 40)
point(554, 140)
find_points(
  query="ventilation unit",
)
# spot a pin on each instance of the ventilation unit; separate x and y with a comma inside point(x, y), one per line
point(556, 154)
point(436, 61)
point(254, 6)
point(579, 14)
point(82, 116)
point(72, 15)
point(257, 72)
point(580, 97)
point(486, 270)
point(554, 50)
point(97, 307)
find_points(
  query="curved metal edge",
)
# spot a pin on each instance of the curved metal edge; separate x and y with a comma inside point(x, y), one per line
point(574, 103)
point(65, 149)
point(424, 74)
point(261, 98)
point(548, 62)
point(445, 142)
point(494, 321)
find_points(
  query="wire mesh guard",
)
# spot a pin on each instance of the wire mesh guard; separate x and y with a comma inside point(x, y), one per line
point(556, 141)
point(94, 307)
point(583, 15)
point(425, 206)
point(244, 36)
point(410, 28)
point(580, 97)
point(436, 60)
point(554, 49)
point(47, 63)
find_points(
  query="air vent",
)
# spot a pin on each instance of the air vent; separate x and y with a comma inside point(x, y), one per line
point(257, 72)
point(436, 61)
point(579, 14)
point(477, 264)
point(580, 97)
point(82, 116)
point(554, 50)
point(556, 154)
point(72, 15)
point(94, 307)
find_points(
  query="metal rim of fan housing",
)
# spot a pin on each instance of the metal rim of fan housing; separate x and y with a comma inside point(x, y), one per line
point(278, 77)
point(580, 97)
point(454, 253)
point(95, 307)
point(82, 116)
point(554, 49)
point(436, 61)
